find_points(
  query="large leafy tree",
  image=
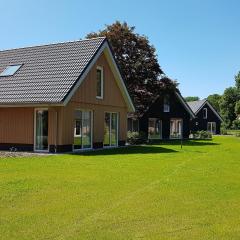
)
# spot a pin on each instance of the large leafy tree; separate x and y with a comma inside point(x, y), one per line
point(227, 105)
point(191, 98)
point(237, 108)
point(237, 81)
point(138, 63)
point(214, 99)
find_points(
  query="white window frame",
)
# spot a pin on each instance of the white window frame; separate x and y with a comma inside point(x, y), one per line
point(102, 82)
point(166, 107)
point(205, 113)
point(35, 123)
point(212, 123)
point(137, 125)
point(181, 134)
point(131, 124)
point(83, 149)
point(110, 129)
point(160, 135)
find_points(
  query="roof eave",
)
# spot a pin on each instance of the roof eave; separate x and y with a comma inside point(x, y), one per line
point(102, 47)
point(192, 114)
point(35, 105)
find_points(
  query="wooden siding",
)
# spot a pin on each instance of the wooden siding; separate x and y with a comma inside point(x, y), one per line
point(111, 92)
point(177, 111)
point(16, 125)
point(85, 98)
point(66, 121)
point(202, 123)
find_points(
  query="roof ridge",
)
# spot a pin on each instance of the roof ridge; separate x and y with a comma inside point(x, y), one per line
point(197, 101)
point(54, 43)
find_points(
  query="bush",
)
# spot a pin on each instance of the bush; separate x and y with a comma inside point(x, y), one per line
point(224, 131)
point(236, 124)
point(201, 135)
point(134, 138)
point(237, 134)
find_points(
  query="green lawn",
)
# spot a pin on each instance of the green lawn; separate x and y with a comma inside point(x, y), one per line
point(148, 192)
point(233, 132)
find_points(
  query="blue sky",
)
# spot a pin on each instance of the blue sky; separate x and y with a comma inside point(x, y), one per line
point(197, 41)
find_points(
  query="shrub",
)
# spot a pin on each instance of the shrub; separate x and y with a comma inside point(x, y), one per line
point(236, 124)
point(237, 134)
point(224, 131)
point(201, 135)
point(134, 138)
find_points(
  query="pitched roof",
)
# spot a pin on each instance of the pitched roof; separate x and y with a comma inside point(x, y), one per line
point(196, 105)
point(184, 103)
point(50, 73)
point(179, 97)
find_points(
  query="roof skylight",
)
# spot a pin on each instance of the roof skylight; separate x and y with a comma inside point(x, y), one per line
point(10, 70)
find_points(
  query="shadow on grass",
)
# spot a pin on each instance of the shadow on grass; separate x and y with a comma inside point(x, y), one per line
point(187, 142)
point(146, 149)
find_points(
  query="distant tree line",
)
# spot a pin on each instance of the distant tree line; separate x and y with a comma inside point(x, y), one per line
point(228, 104)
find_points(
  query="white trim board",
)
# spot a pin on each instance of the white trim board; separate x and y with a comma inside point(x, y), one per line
point(185, 104)
point(106, 49)
point(211, 107)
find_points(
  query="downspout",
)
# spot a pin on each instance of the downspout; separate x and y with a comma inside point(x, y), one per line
point(56, 135)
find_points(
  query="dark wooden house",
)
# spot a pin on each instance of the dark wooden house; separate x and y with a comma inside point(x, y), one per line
point(207, 118)
point(168, 117)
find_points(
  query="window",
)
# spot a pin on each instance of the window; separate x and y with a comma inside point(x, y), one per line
point(99, 83)
point(205, 113)
point(41, 130)
point(176, 128)
point(166, 104)
point(111, 129)
point(82, 129)
point(10, 70)
point(211, 127)
point(129, 125)
point(78, 126)
point(154, 128)
point(133, 125)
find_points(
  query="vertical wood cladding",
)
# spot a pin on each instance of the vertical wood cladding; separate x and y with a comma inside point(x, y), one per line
point(16, 125)
point(177, 110)
point(85, 98)
point(202, 123)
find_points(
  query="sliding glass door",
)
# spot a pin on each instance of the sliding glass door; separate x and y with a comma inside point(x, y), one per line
point(211, 127)
point(154, 128)
point(41, 130)
point(176, 128)
point(110, 129)
point(83, 129)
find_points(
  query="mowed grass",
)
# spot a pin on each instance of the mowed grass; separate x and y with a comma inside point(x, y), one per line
point(146, 192)
point(233, 132)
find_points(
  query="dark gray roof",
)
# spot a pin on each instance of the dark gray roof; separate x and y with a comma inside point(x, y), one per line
point(48, 72)
point(196, 105)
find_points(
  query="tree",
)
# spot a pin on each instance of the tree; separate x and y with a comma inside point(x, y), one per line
point(137, 61)
point(237, 81)
point(214, 99)
point(227, 105)
point(236, 123)
point(190, 98)
point(237, 108)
